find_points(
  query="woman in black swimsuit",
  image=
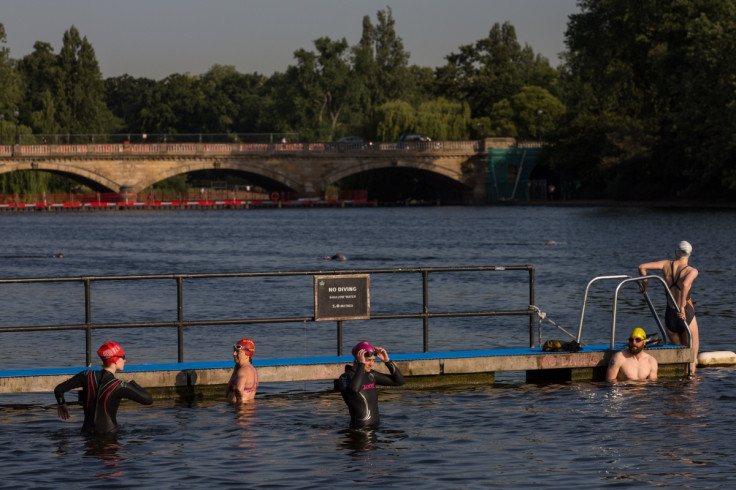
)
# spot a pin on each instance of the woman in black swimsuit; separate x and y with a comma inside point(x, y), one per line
point(679, 276)
point(358, 384)
point(101, 392)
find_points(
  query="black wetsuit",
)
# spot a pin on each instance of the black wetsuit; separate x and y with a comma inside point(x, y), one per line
point(101, 395)
point(358, 389)
point(671, 320)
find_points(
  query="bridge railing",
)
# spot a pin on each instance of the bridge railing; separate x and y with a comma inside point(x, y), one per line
point(90, 138)
point(225, 149)
point(180, 323)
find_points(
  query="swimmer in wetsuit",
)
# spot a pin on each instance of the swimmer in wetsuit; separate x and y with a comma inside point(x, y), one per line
point(101, 392)
point(679, 276)
point(244, 380)
point(358, 384)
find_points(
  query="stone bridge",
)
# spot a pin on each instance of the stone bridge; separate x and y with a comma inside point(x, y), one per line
point(305, 168)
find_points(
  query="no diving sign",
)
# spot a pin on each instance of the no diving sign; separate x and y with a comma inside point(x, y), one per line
point(342, 297)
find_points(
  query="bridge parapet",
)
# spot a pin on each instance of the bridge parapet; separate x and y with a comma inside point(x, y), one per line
point(198, 149)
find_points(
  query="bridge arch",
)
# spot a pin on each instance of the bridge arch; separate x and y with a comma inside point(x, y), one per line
point(87, 177)
point(220, 164)
point(429, 166)
point(390, 183)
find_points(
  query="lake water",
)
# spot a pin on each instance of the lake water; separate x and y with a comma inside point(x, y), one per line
point(579, 435)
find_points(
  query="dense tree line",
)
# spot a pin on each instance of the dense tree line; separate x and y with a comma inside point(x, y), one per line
point(642, 106)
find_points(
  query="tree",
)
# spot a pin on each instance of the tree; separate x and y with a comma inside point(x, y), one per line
point(40, 72)
point(173, 105)
point(444, 120)
point(663, 71)
point(81, 106)
point(380, 64)
point(529, 114)
point(11, 87)
point(233, 100)
point(393, 119)
point(125, 97)
point(321, 88)
point(492, 69)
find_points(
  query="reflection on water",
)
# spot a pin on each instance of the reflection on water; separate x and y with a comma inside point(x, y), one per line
point(358, 440)
point(106, 450)
point(245, 418)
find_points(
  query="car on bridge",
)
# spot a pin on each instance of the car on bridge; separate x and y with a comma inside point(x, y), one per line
point(350, 143)
point(414, 137)
point(352, 139)
point(416, 141)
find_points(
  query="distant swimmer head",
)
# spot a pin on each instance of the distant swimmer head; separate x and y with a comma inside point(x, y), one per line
point(110, 353)
point(364, 346)
point(339, 257)
point(638, 333)
point(246, 345)
point(684, 249)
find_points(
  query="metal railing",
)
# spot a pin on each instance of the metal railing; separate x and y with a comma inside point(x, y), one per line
point(624, 279)
point(180, 323)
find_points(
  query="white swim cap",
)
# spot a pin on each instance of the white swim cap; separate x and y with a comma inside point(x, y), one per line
point(684, 249)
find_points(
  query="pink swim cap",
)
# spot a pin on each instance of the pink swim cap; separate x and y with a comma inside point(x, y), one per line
point(110, 352)
point(363, 345)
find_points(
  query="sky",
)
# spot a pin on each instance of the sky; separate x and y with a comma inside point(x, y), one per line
point(158, 38)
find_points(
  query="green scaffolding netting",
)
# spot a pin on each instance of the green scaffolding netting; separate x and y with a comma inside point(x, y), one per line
point(509, 171)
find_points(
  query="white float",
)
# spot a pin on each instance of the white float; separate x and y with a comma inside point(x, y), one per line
point(717, 358)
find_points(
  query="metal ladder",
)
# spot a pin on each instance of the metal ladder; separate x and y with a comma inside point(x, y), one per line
point(624, 280)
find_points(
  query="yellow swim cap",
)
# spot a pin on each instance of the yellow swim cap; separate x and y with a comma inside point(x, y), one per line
point(638, 332)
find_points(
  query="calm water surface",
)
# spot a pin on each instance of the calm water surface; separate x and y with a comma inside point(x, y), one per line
point(579, 435)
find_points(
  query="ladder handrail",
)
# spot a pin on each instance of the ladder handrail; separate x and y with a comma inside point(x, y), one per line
point(585, 299)
point(667, 291)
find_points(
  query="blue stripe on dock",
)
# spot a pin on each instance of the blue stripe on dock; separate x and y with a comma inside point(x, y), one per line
point(296, 361)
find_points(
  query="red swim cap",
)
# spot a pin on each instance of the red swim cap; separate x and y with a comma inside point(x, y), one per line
point(110, 352)
point(363, 345)
point(246, 345)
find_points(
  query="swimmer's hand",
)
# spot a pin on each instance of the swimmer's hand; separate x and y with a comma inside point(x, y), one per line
point(382, 354)
point(643, 285)
point(62, 411)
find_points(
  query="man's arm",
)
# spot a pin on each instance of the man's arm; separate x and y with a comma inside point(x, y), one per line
point(614, 366)
point(654, 370)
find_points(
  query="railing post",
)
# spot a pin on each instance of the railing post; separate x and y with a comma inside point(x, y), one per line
point(180, 317)
point(339, 337)
point(531, 302)
point(425, 308)
point(88, 321)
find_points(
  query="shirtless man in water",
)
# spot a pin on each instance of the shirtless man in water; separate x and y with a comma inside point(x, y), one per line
point(632, 363)
point(244, 380)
